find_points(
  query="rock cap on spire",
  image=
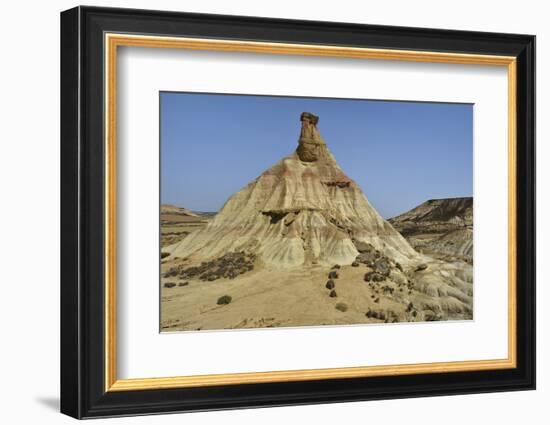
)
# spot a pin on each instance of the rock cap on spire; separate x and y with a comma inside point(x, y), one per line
point(310, 144)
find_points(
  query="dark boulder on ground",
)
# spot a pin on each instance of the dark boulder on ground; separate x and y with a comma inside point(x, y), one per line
point(330, 284)
point(374, 277)
point(341, 307)
point(169, 284)
point(333, 275)
point(375, 314)
point(382, 266)
point(364, 247)
point(421, 267)
point(367, 258)
point(225, 299)
point(333, 294)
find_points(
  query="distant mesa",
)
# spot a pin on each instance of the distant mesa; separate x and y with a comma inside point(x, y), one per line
point(302, 210)
point(172, 209)
point(440, 227)
point(178, 222)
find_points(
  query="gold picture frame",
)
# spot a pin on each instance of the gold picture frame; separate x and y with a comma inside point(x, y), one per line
point(114, 41)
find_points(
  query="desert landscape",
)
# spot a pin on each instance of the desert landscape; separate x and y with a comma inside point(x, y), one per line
point(302, 246)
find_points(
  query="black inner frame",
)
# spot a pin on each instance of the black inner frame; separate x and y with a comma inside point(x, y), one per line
point(82, 207)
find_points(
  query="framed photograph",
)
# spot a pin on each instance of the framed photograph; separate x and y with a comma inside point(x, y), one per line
point(261, 212)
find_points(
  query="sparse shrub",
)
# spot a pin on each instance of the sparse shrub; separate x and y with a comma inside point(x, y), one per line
point(169, 284)
point(341, 307)
point(336, 266)
point(183, 283)
point(330, 284)
point(333, 275)
point(333, 294)
point(164, 254)
point(355, 264)
point(225, 299)
point(228, 266)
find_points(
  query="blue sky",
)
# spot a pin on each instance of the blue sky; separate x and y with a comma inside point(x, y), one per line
point(400, 153)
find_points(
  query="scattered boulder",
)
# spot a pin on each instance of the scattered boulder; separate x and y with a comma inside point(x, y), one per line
point(336, 267)
point(363, 246)
point(164, 254)
point(355, 264)
point(382, 266)
point(172, 272)
point(366, 258)
point(333, 294)
point(225, 299)
point(387, 289)
point(341, 307)
point(376, 314)
point(183, 284)
point(330, 284)
point(169, 284)
point(374, 277)
point(421, 267)
point(333, 275)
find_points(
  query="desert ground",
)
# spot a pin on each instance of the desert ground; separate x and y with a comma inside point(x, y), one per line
point(267, 297)
point(301, 245)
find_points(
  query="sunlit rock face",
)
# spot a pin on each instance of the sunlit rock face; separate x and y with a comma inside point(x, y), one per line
point(302, 210)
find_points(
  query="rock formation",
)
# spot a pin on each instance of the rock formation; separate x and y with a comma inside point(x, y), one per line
point(301, 245)
point(302, 210)
point(440, 227)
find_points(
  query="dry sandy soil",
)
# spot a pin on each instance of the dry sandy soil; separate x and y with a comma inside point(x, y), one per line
point(264, 297)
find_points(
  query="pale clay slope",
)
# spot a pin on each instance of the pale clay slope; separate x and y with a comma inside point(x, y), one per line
point(298, 219)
